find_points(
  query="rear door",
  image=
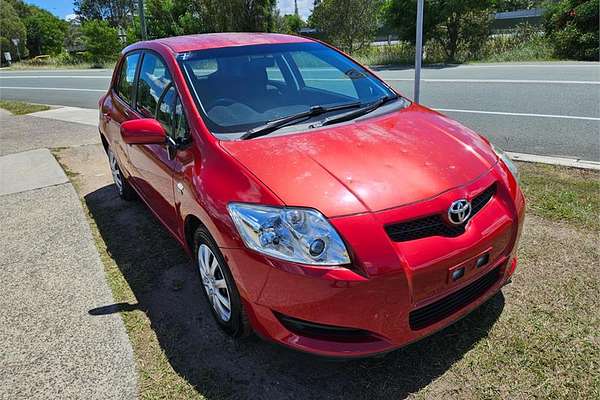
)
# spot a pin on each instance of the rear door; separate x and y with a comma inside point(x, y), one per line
point(118, 107)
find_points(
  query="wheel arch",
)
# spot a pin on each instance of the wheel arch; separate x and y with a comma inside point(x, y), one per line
point(190, 225)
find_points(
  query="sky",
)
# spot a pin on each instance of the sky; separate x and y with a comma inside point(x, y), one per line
point(64, 8)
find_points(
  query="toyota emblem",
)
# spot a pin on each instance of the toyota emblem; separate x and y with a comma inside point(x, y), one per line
point(459, 211)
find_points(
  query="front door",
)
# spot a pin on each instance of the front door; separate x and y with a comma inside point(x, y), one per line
point(153, 163)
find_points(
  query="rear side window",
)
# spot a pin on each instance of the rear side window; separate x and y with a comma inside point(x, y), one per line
point(125, 87)
point(154, 78)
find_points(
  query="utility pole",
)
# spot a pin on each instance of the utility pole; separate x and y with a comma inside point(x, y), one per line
point(142, 18)
point(419, 50)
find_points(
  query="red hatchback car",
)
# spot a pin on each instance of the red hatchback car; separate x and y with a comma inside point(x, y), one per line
point(324, 211)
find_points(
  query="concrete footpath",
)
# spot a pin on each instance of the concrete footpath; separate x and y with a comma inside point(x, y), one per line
point(51, 277)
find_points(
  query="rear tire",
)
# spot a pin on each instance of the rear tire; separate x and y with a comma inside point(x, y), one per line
point(123, 187)
point(219, 286)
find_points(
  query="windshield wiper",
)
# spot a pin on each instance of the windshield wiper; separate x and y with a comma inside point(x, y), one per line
point(356, 113)
point(278, 123)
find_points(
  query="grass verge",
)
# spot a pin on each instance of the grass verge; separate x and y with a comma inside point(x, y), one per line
point(563, 194)
point(20, 108)
point(538, 340)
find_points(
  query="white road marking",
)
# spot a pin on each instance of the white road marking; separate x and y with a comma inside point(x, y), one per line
point(435, 80)
point(50, 88)
point(468, 66)
point(589, 65)
point(497, 81)
point(518, 114)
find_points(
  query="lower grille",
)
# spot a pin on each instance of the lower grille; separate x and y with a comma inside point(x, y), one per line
point(434, 225)
point(443, 308)
point(324, 332)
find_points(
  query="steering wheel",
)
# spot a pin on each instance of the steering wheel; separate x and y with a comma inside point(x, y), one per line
point(222, 101)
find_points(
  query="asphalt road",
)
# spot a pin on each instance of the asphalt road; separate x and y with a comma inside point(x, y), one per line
point(546, 109)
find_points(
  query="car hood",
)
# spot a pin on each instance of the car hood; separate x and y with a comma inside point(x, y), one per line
point(367, 165)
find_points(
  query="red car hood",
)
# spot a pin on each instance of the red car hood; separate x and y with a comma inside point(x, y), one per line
point(369, 165)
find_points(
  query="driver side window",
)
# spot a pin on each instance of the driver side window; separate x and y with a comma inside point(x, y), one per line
point(172, 117)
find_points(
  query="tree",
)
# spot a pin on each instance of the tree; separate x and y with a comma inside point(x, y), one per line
point(572, 27)
point(101, 41)
point(348, 24)
point(289, 23)
point(45, 33)
point(180, 17)
point(450, 23)
point(116, 12)
point(239, 15)
point(11, 27)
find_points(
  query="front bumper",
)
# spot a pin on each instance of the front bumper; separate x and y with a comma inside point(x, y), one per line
point(370, 307)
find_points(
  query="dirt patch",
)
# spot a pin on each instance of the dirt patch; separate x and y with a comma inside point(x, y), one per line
point(86, 166)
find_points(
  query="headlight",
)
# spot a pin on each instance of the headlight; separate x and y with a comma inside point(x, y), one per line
point(509, 163)
point(294, 234)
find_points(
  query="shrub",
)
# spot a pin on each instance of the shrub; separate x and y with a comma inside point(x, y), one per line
point(524, 43)
point(101, 41)
point(572, 27)
point(401, 53)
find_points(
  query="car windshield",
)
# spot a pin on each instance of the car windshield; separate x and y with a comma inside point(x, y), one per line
point(240, 88)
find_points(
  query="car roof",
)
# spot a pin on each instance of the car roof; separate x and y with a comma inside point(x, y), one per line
point(180, 44)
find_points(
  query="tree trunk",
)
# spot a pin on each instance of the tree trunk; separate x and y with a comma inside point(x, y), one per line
point(452, 44)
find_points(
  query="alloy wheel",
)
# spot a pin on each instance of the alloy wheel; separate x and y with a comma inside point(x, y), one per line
point(214, 282)
point(116, 173)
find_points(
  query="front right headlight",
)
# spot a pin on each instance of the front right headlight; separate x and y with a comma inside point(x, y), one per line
point(509, 163)
point(295, 234)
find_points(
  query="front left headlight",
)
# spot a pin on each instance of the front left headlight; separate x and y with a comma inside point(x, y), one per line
point(509, 163)
point(295, 234)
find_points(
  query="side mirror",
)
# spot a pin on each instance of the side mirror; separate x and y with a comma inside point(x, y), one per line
point(143, 131)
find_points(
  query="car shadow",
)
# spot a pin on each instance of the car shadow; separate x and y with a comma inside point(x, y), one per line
point(167, 289)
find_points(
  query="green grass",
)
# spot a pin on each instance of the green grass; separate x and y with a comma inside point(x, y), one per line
point(20, 108)
point(563, 194)
point(24, 65)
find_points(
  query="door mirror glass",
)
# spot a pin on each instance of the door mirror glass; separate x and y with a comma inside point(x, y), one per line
point(143, 131)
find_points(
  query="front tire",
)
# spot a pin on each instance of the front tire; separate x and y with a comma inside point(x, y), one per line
point(219, 286)
point(124, 189)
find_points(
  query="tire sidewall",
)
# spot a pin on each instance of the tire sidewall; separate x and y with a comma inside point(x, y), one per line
point(126, 192)
point(235, 326)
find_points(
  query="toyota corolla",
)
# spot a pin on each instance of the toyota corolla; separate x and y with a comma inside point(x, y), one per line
point(323, 210)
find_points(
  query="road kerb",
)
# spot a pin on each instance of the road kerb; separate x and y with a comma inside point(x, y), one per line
point(566, 162)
